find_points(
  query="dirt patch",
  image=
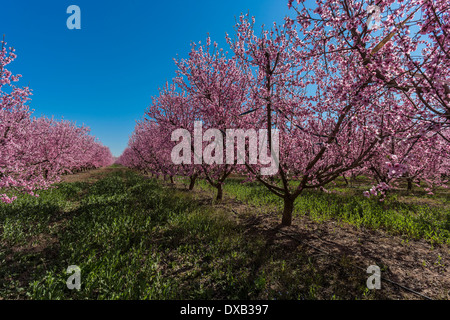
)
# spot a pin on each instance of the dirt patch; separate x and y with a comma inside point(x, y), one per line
point(35, 245)
point(91, 175)
point(417, 265)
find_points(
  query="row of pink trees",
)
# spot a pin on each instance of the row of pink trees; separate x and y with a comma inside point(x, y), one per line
point(35, 152)
point(344, 97)
point(210, 88)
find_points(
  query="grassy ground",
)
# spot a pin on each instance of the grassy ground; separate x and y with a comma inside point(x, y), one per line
point(137, 238)
point(415, 215)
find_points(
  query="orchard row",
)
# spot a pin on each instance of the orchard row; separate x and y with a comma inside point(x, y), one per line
point(35, 152)
point(346, 99)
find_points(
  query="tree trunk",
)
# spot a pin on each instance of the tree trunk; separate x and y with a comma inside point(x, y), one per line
point(287, 212)
point(410, 185)
point(192, 182)
point(219, 192)
point(345, 179)
point(352, 180)
point(171, 180)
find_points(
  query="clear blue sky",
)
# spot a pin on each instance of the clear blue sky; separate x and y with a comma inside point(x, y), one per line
point(104, 75)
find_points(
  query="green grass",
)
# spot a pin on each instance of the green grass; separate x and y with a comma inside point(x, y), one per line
point(134, 238)
point(416, 216)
